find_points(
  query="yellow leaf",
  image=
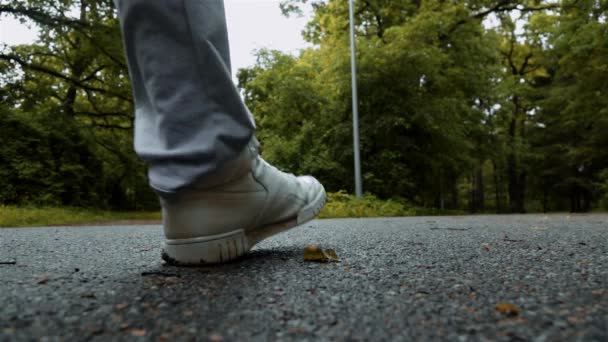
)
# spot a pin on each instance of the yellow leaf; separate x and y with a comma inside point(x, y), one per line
point(331, 255)
point(315, 253)
point(507, 309)
point(138, 332)
point(121, 306)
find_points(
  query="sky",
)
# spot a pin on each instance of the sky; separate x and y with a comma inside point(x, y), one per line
point(252, 24)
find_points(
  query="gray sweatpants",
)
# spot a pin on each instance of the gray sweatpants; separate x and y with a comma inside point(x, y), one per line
point(189, 117)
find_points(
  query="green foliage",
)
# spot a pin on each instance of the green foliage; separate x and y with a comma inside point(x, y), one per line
point(44, 163)
point(11, 216)
point(67, 111)
point(573, 117)
point(342, 205)
point(453, 114)
point(417, 85)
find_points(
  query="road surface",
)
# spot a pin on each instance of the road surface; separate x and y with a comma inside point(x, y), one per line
point(502, 278)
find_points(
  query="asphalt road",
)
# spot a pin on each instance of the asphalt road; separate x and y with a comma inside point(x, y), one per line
point(403, 279)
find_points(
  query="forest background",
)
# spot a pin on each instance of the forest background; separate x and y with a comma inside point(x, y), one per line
point(477, 106)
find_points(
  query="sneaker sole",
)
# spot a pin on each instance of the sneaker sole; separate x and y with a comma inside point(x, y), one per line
point(225, 247)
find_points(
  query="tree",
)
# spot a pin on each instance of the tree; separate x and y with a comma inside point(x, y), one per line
point(421, 97)
point(574, 112)
point(454, 110)
point(75, 76)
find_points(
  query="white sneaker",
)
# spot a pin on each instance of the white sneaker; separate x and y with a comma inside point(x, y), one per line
point(222, 218)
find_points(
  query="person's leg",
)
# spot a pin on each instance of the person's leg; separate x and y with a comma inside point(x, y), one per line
point(189, 117)
point(218, 196)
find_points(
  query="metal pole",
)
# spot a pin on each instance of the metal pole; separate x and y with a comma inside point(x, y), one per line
point(358, 187)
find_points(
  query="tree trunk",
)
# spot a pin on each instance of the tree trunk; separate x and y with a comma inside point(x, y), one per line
point(574, 201)
point(455, 195)
point(77, 68)
point(481, 198)
point(516, 177)
point(441, 195)
point(477, 195)
point(496, 186)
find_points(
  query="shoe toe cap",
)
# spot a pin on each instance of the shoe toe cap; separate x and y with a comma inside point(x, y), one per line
point(311, 186)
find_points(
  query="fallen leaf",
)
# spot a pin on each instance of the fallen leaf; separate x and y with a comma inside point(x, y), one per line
point(574, 320)
point(296, 330)
point(95, 330)
point(215, 338)
point(43, 278)
point(315, 253)
point(331, 255)
point(138, 332)
point(121, 306)
point(165, 337)
point(507, 309)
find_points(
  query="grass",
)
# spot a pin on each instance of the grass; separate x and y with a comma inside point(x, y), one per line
point(342, 205)
point(11, 216)
point(339, 205)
